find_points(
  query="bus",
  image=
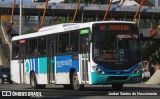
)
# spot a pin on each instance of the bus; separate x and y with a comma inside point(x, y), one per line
point(78, 54)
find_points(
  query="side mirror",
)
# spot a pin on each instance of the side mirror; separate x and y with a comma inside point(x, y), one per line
point(90, 38)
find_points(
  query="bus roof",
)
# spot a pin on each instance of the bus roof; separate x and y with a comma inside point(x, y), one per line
point(62, 28)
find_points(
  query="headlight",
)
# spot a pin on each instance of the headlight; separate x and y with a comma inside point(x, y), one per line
point(98, 70)
point(138, 69)
point(4, 75)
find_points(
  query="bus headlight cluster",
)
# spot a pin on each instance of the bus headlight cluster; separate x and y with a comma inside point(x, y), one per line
point(138, 69)
point(98, 70)
point(4, 75)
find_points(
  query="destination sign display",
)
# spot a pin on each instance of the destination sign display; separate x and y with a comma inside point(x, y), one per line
point(115, 27)
point(112, 28)
point(127, 36)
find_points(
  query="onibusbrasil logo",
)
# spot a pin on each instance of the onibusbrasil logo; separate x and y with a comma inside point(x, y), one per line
point(21, 93)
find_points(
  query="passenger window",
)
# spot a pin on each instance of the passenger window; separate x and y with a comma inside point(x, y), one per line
point(63, 43)
point(74, 41)
point(15, 50)
point(33, 47)
point(42, 46)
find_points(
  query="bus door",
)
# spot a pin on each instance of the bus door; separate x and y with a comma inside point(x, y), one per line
point(51, 67)
point(84, 58)
point(22, 50)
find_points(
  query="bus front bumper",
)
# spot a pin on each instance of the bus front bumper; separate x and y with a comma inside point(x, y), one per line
point(116, 78)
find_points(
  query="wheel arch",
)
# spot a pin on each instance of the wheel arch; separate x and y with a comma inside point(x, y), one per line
point(31, 72)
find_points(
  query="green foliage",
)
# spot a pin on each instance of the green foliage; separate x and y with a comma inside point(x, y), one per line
point(155, 57)
point(31, 30)
point(146, 44)
point(59, 20)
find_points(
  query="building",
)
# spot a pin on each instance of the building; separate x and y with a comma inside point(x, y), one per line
point(132, 2)
point(124, 2)
point(155, 2)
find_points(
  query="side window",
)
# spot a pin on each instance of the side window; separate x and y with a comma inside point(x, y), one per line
point(63, 43)
point(27, 48)
point(15, 49)
point(33, 47)
point(41, 46)
point(74, 41)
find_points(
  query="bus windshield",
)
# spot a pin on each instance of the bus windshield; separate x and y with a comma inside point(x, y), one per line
point(112, 43)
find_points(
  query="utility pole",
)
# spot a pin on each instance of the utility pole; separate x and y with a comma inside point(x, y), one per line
point(13, 6)
point(107, 10)
point(138, 10)
point(75, 13)
point(20, 17)
point(44, 12)
point(20, 33)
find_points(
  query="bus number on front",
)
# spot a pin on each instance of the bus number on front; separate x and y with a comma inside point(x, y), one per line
point(119, 27)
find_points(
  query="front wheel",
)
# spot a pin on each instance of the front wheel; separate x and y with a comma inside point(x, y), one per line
point(33, 81)
point(117, 87)
point(75, 82)
point(1, 81)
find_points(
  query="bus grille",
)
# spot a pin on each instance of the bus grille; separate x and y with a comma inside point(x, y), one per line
point(118, 77)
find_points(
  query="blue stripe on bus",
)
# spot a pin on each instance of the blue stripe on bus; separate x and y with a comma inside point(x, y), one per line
point(34, 64)
point(65, 63)
point(31, 64)
point(38, 65)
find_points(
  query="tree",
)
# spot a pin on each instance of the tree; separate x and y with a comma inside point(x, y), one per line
point(29, 31)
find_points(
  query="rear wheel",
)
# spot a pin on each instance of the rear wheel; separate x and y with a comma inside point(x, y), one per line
point(75, 82)
point(117, 87)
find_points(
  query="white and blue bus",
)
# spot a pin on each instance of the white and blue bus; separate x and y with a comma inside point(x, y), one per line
point(78, 54)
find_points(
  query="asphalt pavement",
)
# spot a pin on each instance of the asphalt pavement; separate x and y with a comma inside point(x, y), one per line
point(131, 91)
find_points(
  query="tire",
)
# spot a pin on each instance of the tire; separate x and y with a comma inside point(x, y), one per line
point(117, 87)
point(2, 81)
point(10, 82)
point(33, 82)
point(75, 82)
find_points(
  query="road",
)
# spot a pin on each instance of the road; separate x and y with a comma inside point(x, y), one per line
point(132, 91)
